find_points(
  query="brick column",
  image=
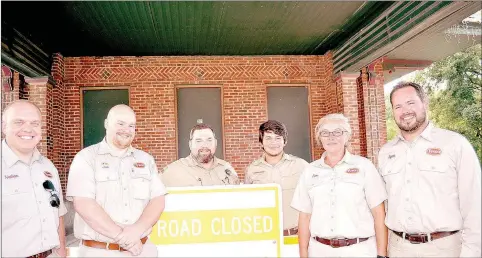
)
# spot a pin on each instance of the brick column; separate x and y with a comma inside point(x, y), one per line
point(9, 96)
point(58, 155)
point(40, 93)
point(371, 86)
point(346, 84)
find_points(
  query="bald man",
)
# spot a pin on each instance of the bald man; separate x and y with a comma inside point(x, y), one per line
point(32, 204)
point(116, 191)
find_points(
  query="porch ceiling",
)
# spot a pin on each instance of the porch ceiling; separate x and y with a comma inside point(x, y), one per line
point(85, 28)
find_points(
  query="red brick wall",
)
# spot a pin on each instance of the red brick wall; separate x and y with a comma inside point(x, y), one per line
point(58, 129)
point(11, 95)
point(373, 108)
point(349, 105)
point(152, 82)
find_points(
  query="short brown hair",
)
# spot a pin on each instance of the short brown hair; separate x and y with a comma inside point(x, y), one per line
point(274, 126)
point(200, 127)
point(418, 88)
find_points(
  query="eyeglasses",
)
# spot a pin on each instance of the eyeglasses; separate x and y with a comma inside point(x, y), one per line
point(54, 198)
point(336, 133)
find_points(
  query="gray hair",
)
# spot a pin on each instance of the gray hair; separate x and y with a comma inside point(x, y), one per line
point(330, 117)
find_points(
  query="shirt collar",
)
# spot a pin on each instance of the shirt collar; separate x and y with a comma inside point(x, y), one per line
point(104, 148)
point(426, 134)
point(192, 162)
point(262, 159)
point(11, 158)
point(347, 158)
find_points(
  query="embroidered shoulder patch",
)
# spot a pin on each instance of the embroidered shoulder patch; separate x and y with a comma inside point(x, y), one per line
point(139, 165)
point(434, 151)
point(48, 174)
point(352, 170)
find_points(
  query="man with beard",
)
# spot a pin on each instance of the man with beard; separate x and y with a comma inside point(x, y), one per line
point(116, 191)
point(433, 180)
point(275, 166)
point(201, 167)
point(32, 203)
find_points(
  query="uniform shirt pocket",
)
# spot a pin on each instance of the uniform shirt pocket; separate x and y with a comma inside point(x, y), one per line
point(140, 184)
point(260, 177)
point(435, 175)
point(104, 173)
point(18, 201)
point(391, 173)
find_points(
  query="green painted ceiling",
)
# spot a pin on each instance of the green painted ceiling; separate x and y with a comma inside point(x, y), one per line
point(32, 31)
point(186, 28)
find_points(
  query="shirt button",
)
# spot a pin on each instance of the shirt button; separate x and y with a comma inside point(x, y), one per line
point(409, 163)
point(43, 220)
point(16, 190)
point(331, 230)
point(126, 221)
point(125, 204)
point(40, 202)
point(125, 188)
point(408, 181)
point(406, 199)
point(332, 216)
point(409, 218)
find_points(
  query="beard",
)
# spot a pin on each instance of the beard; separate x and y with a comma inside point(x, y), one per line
point(204, 157)
point(122, 142)
point(419, 121)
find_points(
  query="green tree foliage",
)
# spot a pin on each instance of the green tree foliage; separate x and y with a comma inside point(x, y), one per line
point(454, 87)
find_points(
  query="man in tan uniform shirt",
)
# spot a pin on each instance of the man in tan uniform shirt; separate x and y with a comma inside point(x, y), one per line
point(32, 222)
point(275, 166)
point(433, 180)
point(201, 167)
point(116, 191)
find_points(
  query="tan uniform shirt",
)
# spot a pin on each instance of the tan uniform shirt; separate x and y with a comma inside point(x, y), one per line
point(433, 184)
point(122, 186)
point(29, 223)
point(340, 199)
point(187, 172)
point(286, 173)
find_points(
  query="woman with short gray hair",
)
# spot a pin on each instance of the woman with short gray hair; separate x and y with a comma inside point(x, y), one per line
point(340, 199)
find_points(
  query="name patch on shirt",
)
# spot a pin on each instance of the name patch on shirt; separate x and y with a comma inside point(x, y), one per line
point(11, 176)
point(352, 170)
point(105, 165)
point(48, 174)
point(139, 165)
point(434, 151)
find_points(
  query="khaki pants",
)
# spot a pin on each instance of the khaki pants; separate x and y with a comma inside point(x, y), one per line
point(364, 249)
point(149, 250)
point(449, 246)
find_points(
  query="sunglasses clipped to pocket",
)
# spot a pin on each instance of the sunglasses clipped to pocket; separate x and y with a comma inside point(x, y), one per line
point(54, 198)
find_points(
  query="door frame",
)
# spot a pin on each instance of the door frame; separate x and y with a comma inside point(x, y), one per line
point(81, 89)
point(197, 86)
point(308, 87)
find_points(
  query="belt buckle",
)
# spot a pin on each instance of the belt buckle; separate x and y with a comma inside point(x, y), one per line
point(337, 240)
point(412, 239)
point(107, 247)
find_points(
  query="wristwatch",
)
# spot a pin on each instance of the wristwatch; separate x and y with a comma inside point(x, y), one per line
point(379, 256)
